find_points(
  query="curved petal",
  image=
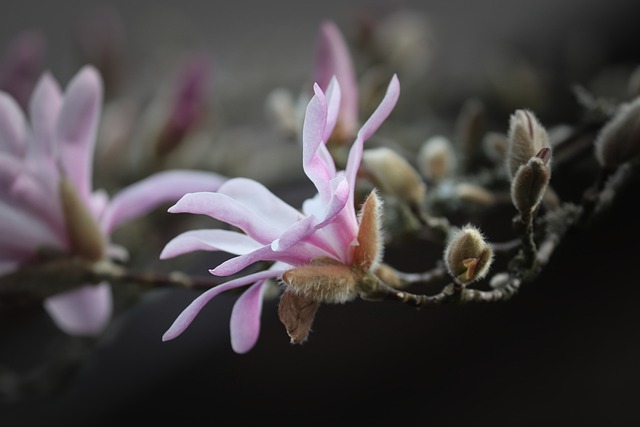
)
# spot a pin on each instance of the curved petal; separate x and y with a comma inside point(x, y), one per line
point(209, 240)
point(44, 109)
point(12, 126)
point(313, 129)
point(185, 318)
point(85, 311)
point(375, 121)
point(295, 234)
point(226, 209)
point(245, 318)
point(301, 254)
point(333, 95)
point(142, 197)
point(260, 200)
point(21, 230)
point(77, 126)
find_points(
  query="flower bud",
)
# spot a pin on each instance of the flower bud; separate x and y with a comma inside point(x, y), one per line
point(495, 145)
point(474, 193)
point(394, 175)
point(436, 158)
point(530, 183)
point(526, 138)
point(467, 255)
point(619, 140)
point(324, 280)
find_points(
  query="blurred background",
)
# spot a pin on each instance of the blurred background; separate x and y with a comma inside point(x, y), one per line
point(562, 351)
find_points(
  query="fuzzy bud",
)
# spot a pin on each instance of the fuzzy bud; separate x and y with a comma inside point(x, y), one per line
point(394, 175)
point(474, 193)
point(619, 140)
point(436, 158)
point(325, 280)
point(526, 138)
point(467, 255)
point(530, 183)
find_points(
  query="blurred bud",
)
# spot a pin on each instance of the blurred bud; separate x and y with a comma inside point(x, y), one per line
point(473, 193)
point(332, 58)
point(619, 140)
point(469, 130)
point(467, 255)
point(530, 182)
point(527, 137)
point(101, 39)
point(188, 104)
point(495, 145)
point(393, 175)
point(633, 86)
point(22, 65)
point(283, 113)
point(84, 234)
point(405, 42)
point(436, 158)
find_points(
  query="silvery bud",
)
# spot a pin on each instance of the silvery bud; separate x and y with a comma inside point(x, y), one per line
point(619, 140)
point(394, 175)
point(467, 255)
point(436, 158)
point(530, 183)
point(526, 138)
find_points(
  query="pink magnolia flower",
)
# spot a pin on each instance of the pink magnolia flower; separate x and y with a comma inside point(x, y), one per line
point(332, 58)
point(46, 195)
point(271, 229)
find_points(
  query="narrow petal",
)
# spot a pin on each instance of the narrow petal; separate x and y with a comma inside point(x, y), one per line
point(85, 311)
point(142, 197)
point(77, 126)
point(44, 109)
point(375, 121)
point(21, 230)
point(12, 126)
point(333, 94)
point(313, 130)
point(245, 318)
point(295, 234)
point(209, 240)
point(260, 200)
point(226, 209)
point(185, 318)
point(301, 254)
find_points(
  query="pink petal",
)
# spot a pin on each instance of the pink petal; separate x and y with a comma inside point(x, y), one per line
point(245, 318)
point(295, 234)
point(44, 109)
point(209, 240)
point(333, 95)
point(226, 209)
point(313, 129)
point(301, 254)
point(185, 318)
point(77, 127)
point(21, 230)
point(375, 121)
point(12, 126)
point(332, 57)
point(85, 311)
point(258, 199)
point(142, 197)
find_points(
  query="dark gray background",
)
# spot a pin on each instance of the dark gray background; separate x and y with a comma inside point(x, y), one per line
point(563, 352)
